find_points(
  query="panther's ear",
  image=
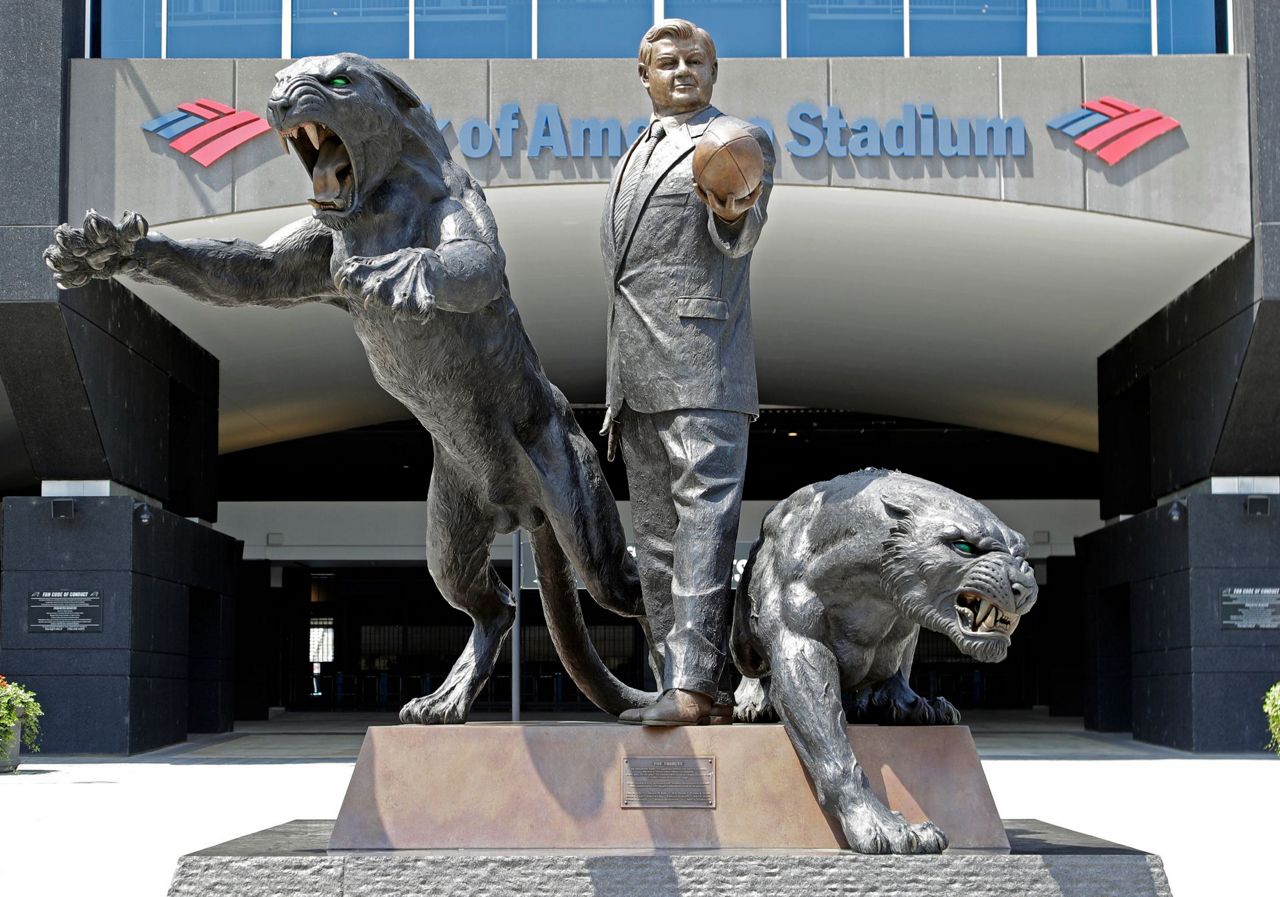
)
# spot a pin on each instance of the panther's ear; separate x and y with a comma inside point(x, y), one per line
point(896, 506)
point(404, 93)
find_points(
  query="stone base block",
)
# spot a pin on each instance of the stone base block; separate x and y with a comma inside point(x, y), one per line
point(291, 859)
point(574, 786)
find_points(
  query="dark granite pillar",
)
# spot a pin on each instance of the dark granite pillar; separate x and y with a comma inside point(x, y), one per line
point(1188, 403)
point(102, 388)
point(152, 660)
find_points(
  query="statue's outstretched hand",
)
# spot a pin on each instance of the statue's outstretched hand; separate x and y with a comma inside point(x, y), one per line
point(99, 249)
point(729, 209)
point(399, 281)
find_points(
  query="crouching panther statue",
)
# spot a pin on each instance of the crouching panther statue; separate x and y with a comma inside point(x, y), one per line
point(401, 238)
point(833, 597)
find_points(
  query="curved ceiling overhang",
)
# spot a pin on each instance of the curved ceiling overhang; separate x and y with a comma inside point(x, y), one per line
point(980, 313)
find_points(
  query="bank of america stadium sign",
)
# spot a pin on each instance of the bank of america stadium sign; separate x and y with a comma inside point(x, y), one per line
point(206, 130)
point(1111, 129)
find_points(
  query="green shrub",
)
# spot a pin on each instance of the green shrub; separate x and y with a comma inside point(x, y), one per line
point(1271, 707)
point(14, 699)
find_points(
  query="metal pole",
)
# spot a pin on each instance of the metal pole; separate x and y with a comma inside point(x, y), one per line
point(515, 629)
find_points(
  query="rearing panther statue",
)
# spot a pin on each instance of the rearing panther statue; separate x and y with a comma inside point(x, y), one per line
point(401, 238)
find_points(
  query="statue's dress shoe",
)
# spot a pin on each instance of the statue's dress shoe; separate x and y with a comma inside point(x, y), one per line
point(678, 707)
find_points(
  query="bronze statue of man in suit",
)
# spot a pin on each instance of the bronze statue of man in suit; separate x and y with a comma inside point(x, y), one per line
point(681, 367)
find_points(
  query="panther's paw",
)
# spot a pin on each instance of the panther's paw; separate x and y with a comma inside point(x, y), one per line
point(99, 249)
point(893, 703)
point(433, 710)
point(874, 829)
point(944, 712)
point(398, 282)
point(751, 704)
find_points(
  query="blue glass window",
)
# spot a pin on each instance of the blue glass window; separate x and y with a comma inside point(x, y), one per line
point(223, 28)
point(844, 28)
point(130, 29)
point(968, 27)
point(376, 28)
point(1187, 26)
point(473, 29)
point(592, 28)
point(739, 27)
point(1093, 27)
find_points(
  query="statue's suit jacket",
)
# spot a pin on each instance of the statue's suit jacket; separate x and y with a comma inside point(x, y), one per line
point(680, 310)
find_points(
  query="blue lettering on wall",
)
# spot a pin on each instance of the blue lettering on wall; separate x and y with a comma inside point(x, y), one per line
point(918, 131)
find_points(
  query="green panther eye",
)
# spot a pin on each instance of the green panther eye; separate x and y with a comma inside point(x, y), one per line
point(966, 548)
point(338, 81)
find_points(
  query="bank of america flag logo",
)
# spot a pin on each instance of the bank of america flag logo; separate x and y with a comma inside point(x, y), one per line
point(1112, 129)
point(206, 130)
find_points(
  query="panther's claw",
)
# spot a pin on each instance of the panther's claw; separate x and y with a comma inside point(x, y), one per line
point(98, 249)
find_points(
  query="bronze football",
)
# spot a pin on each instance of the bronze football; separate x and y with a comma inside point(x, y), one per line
point(728, 162)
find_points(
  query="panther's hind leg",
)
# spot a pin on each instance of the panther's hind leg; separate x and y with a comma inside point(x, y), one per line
point(751, 703)
point(584, 516)
point(893, 702)
point(460, 529)
point(804, 688)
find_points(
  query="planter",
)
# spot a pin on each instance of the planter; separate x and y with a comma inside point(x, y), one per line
point(9, 760)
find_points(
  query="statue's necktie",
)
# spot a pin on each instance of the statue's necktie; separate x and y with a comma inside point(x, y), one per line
point(632, 176)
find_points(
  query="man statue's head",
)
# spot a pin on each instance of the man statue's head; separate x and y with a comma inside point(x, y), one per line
point(677, 67)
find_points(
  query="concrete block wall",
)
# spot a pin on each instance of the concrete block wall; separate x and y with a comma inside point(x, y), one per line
point(161, 665)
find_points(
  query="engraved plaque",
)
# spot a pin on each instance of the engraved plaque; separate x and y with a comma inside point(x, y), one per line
point(65, 610)
point(681, 782)
point(1250, 608)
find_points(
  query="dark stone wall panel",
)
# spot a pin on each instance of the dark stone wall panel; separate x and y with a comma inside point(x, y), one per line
point(101, 530)
point(113, 309)
point(160, 615)
point(1163, 710)
point(1222, 534)
point(1205, 588)
point(1146, 545)
point(158, 610)
point(83, 714)
point(1217, 297)
point(48, 396)
point(1190, 397)
point(1262, 658)
point(24, 664)
point(1249, 443)
point(103, 387)
point(152, 665)
point(1160, 614)
point(1193, 684)
point(1228, 710)
point(117, 612)
point(1124, 429)
point(1176, 662)
point(157, 712)
point(130, 401)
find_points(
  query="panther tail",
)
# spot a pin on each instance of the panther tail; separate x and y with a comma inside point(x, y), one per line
point(747, 656)
point(569, 630)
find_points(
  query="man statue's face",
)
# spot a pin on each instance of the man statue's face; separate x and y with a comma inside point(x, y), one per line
point(679, 76)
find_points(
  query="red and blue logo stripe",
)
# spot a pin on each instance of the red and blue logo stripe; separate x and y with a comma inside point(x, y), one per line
point(1112, 129)
point(206, 130)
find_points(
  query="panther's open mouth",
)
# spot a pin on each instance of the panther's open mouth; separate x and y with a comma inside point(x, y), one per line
point(982, 617)
point(325, 156)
